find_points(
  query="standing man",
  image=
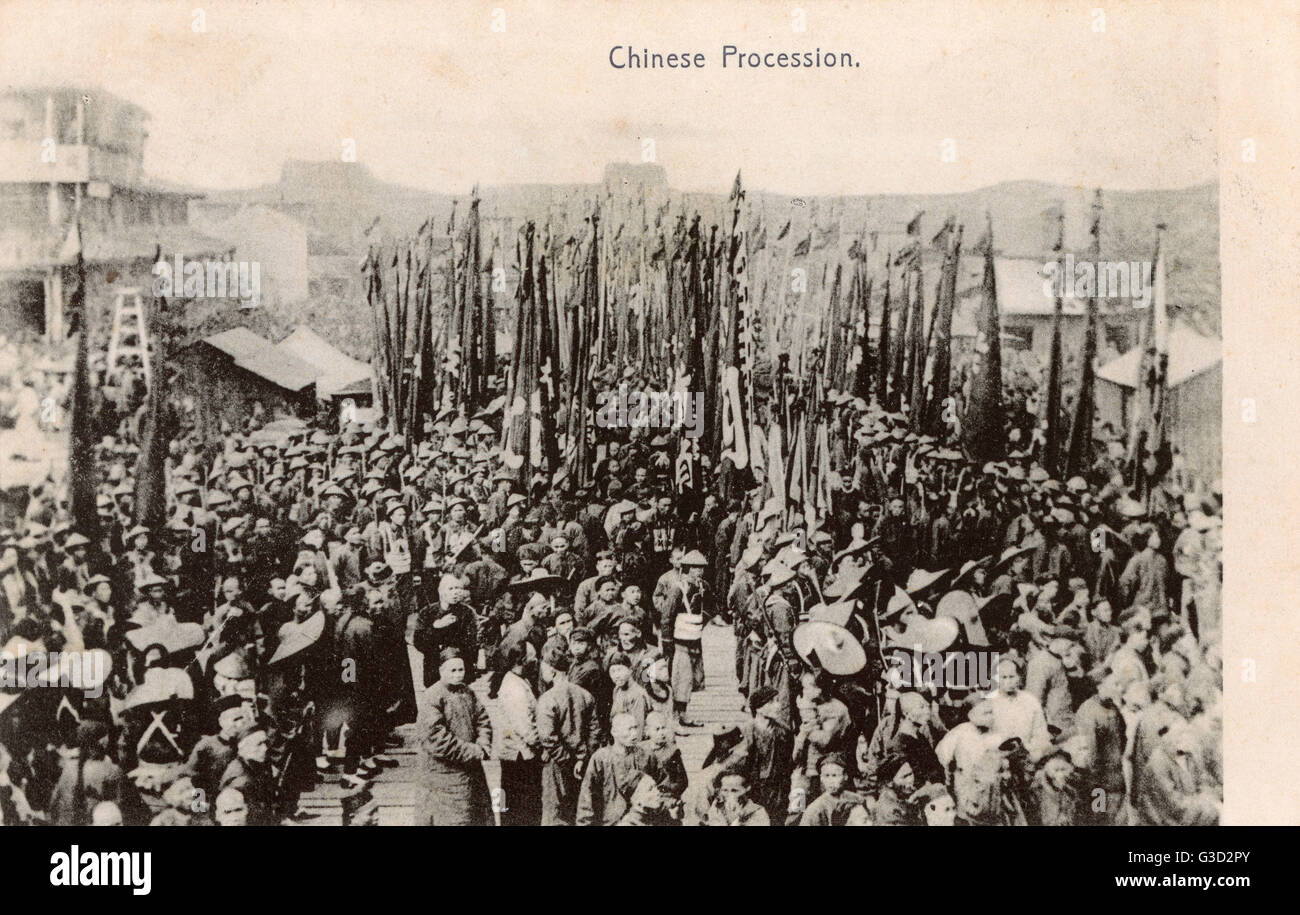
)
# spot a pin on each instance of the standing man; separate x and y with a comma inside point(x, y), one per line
point(613, 775)
point(521, 769)
point(455, 738)
point(566, 731)
point(682, 628)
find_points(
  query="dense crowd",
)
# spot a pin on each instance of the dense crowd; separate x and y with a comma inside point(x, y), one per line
point(313, 593)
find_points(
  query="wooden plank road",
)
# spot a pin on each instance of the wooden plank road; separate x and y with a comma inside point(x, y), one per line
point(394, 791)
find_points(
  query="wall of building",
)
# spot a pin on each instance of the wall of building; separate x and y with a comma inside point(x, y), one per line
point(224, 392)
point(1194, 419)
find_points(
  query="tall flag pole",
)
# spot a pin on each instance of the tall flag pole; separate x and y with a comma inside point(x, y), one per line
point(451, 362)
point(690, 375)
point(471, 354)
point(548, 394)
point(982, 426)
point(516, 420)
point(1080, 454)
point(585, 318)
point(862, 349)
point(835, 355)
point(713, 293)
point(897, 381)
point(1052, 451)
point(916, 354)
point(734, 383)
point(916, 344)
point(81, 455)
point(882, 347)
point(941, 330)
point(374, 293)
point(1147, 437)
point(151, 462)
point(426, 362)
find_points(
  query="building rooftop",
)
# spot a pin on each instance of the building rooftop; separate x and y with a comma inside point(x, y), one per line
point(66, 92)
point(334, 369)
point(22, 250)
point(259, 356)
point(1190, 354)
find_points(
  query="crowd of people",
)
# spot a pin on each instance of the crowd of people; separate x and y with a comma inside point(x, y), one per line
point(316, 594)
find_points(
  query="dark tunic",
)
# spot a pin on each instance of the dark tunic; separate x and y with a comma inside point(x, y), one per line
point(455, 738)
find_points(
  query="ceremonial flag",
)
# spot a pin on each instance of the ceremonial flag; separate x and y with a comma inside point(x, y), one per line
point(798, 473)
point(736, 355)
point(151, 462)
point(758, 458)
point(734, 444)
point(583, 342)
point(898, 383)
point(1147, 436)
point(882, 346)
point(982, 424)
point(915, 379)
point(548, 366)
point(1052, 445)
point(832, 376)
point(82, 472)
point(776, 476)
point(517, 419)
point(1080, 454)
point(471, 381)
point(865, 364)
point(686, 470)
point(822, 498)
point(941, 332)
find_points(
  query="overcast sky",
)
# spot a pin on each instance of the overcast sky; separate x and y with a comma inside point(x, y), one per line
point(434, 98)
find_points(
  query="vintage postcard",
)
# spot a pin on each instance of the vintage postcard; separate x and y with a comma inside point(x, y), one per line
point(772, 413)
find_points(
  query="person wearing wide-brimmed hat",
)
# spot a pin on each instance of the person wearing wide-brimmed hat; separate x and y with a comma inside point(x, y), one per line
point(18, 596)
point(745, 621)
point(74, 571)
point(681, 628)
point(392, 542)
point(1012, 567)
point(457, 532)
point(152, 602)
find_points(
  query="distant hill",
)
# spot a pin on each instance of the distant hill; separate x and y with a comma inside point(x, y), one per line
point(346, 208)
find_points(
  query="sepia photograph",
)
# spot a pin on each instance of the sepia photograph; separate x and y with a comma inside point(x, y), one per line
point(574, 414)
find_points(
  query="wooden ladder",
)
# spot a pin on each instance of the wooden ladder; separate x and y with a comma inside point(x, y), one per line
point(128, 324)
